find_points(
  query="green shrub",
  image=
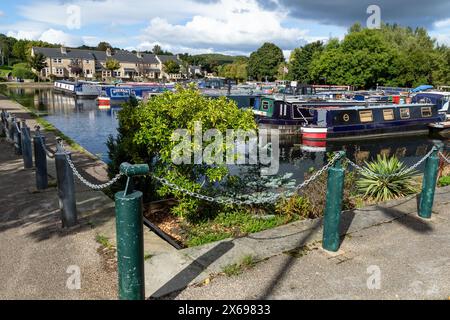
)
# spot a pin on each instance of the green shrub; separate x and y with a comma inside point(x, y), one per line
point(444, 181)
point(22, 71)
point(145, 136)
point(295, 205)
point(378, 183)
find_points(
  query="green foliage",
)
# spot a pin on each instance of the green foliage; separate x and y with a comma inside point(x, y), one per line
point(393, 56)
point(103, 46)
point(236, 70)
point(264, 62)
point(22, 71)
point(444, 181)
point(171, 67)
point(112, 64)
point(235, 269)
point(378, 182)
point(295, 205)
point(232, 223)
point(300, 61)
point(37, 62)
point(145, 135)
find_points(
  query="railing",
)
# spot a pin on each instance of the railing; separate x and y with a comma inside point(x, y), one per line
point(128, 203)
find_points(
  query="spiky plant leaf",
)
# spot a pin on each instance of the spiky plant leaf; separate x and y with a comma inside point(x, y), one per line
point(386, 179)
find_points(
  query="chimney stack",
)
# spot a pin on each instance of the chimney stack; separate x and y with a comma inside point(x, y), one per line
point(108, 52)
point(63, 50)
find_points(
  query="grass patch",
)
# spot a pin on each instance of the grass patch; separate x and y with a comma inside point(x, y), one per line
point(236, 269)
point(104, 241)
point(444, 181)
point(233, 224)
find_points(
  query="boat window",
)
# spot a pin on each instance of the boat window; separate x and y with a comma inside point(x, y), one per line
point(265, 105)
point(426, 112)
point(404, 113)
point(388, 114)
point(366, 116)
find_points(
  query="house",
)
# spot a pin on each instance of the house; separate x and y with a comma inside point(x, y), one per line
point(91, 64)
point(194, 71)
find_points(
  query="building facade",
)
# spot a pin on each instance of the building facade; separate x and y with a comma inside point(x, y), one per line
point(66, 63)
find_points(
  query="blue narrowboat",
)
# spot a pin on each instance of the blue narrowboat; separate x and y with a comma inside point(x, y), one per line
point(123, 93)
point(340, 123)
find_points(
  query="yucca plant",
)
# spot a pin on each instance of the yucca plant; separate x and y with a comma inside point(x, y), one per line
point(386, 179)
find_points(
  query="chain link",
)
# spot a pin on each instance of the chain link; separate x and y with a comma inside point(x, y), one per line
point(83, 180)
point(50, 153)
point(410, 169)
point(271, 198)
point(444, 158)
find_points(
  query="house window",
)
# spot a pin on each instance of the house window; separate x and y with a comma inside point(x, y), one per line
point(404, 113)
point(88, 71)
point(426, 112)
point(388, 114)
point(87, 61)
point(366, 116)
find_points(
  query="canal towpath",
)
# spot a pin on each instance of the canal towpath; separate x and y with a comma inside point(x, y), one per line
point(38, 255)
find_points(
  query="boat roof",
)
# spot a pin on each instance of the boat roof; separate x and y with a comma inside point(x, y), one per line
point(373, 106)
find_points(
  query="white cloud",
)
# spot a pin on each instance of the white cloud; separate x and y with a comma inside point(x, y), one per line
point(226, 26)
point(230, 25)
point(60, 37)
point(1, 13)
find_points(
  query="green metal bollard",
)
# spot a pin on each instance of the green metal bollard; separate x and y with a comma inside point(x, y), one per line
point(333, 208)
point(429, 183)
point(129, 234)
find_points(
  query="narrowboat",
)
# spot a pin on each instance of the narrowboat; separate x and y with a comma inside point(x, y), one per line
point(340, 123)
point(81, 89)
point(289, 113)
point(441, 99)
point(123, 93)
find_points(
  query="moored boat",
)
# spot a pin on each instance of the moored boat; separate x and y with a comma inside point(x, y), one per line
point(340, 123)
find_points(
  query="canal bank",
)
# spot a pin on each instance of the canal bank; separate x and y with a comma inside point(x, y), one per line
point(36, 252)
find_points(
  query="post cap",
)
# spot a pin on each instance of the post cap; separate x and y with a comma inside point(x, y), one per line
point(131, 170)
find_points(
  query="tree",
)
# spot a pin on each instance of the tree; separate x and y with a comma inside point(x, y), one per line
point(37, 62)
point(157, 49)
point(236, 70)
point(263, 63)
point(300, 61)
point(22, 71)
point(103, 46)
point(112, 65)
point(171, 67)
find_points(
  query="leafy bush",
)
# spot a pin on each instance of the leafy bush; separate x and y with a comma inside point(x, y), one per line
point(444, 181)
point(295, 205)
point(378, 182)
point(145, 136)
point(22, 71)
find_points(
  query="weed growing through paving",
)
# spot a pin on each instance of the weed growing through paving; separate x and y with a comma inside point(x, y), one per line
point(104, 241)
point(236, 269)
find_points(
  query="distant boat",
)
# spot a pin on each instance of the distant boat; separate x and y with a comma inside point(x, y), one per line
point(441, 99)
point(82, 89)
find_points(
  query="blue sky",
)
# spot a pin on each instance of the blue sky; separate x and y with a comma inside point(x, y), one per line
point(197, 26)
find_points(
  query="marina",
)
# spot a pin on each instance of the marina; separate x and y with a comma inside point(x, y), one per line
point(90, 125)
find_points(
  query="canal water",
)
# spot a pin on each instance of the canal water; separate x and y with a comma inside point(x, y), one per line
point(90, 126)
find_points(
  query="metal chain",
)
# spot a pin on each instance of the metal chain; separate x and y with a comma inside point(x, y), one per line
point(50, 153)
point(268, 199)
point(17, 128)
point(87, 183)
point(410, 169)
point(443, 157)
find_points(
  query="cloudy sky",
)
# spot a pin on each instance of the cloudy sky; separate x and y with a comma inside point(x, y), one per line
point(199, 26)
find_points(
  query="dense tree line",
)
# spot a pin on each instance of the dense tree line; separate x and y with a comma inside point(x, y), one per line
point(391, 56)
